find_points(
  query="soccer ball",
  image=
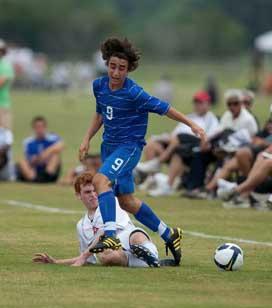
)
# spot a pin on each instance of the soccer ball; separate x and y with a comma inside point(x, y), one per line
point(229, 257)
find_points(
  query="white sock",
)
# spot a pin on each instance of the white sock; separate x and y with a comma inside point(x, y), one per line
point(134, 261)
point(151, 247)
point(162, 228)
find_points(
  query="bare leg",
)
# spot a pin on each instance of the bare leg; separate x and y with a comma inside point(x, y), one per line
point(164, 156)
point(53, 164)
point(245, 160)
point(152, 149)
point(176, 168)
point(26, 170)
point(130, 203)
point(138, 238)
point(113, 258)
point(230, 166)
point(260, 171)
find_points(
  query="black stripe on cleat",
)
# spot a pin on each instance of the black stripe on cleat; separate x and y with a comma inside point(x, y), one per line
point(174, 245)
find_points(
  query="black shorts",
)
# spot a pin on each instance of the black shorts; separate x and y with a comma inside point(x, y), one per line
point(185, 148)
point(41, 177)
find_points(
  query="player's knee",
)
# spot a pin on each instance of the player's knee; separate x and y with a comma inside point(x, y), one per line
point(138, 238)
point(243, 152)
point(100, 181)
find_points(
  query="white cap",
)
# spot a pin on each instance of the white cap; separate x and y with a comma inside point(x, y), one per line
point(232, 94)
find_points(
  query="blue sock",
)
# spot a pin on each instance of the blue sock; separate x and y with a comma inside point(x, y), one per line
point(148, 218)
point(107, 208)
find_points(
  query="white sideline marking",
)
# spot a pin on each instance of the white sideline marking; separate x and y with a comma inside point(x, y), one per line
point(226, 238)
point(44, 208)
point(39, 207)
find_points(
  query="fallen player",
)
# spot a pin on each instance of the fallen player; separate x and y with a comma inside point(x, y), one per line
point(137, 248)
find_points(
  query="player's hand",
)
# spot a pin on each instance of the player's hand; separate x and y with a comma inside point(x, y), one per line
point(43, 258)
point(199, 132)
point(83, 149)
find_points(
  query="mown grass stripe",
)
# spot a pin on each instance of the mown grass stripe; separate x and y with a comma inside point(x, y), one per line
point(48, 209)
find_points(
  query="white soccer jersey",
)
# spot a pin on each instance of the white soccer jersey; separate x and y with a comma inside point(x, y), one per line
point(87, 229)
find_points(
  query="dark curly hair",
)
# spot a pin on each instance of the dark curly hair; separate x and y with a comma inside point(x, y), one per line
point(123, 49)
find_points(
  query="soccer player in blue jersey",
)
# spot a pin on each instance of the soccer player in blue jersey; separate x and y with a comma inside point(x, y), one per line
point(122, 107)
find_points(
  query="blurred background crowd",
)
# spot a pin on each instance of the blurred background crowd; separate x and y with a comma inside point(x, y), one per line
point(55, 48)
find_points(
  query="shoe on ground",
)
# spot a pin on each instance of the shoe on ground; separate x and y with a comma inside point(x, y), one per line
point(237, 202)
point(144, 254)
point(167, 262)
point(226, 189)
point(147, 184)
point(269, 202)
point(221, 183)
point(174, 245)
point(259, 201)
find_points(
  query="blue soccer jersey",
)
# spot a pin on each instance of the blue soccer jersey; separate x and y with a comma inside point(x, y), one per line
point(125, 111)
point(33, 146)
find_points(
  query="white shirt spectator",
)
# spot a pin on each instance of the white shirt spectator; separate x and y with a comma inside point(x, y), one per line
point(245, 120)
point(208, 122)
point(6, 139)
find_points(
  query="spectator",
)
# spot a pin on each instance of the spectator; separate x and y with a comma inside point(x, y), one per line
point(181, 144)
point(42, 162)
point(6, 166)
point(236, 119)
point(91, 162)
point(244, 158)
point(6, 77)
point(248, 98)
point(237, 195)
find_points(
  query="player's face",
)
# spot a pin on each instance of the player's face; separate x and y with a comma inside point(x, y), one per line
point(247, 104)
point(39, 129)
point(201, 108)
point(88, 196)
point(117, 72)
point(234, 108)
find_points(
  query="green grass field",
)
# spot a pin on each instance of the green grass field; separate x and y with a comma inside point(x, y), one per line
point(196, 283)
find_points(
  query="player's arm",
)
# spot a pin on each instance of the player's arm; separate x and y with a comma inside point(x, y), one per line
point(180, 117)
point(55, 148)
point(46, 259)
point(95, 125)
point(82, 259)
point(147, 102)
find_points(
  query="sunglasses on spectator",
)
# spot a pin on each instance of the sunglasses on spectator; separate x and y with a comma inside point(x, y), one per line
point(235, 104)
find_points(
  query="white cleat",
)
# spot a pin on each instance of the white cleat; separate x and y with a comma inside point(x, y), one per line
point(225, 189)
point(150, 166)
point(147, 184)
point(160, 191)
